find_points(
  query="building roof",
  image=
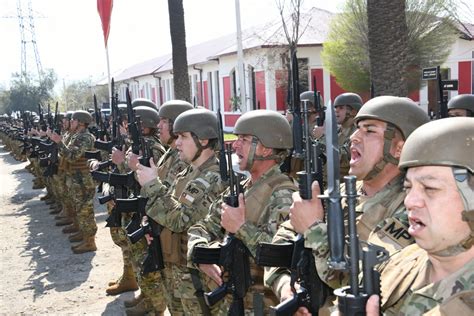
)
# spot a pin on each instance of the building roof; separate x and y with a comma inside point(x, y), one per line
point(467, 31)
point(315, 26)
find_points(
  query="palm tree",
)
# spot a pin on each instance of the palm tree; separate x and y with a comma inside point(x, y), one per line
point(388, 46)
point(178, 42)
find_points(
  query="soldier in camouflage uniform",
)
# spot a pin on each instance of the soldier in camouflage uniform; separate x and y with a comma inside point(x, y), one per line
point(79, 179)
point(435, 276)
point(132, 254)
point(264, 138)
point(169, 166)
point(188, 199)
point(383, 123)
point(346, 106)
point(67, 213)
point(461, 105)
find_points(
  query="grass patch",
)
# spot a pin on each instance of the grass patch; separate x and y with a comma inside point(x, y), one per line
point(229, 137)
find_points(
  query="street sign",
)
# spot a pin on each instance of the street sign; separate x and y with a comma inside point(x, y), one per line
point(430, 73)
point(451, 85)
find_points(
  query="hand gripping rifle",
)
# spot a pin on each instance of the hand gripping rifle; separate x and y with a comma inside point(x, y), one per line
point(352, 300)
point(232, 255)
point(313, 291)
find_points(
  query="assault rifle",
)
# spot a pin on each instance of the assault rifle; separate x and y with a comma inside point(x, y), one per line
point(137, 229)
point(232, 255)
point(352, 300)
point(296, 105)
point(313, 291)
point(293, 100)
point(442, 99)
point(101, 131)
point(128, 180)
point(52, 148)
point(317, 104)
point(117, 139)
point(42, 123)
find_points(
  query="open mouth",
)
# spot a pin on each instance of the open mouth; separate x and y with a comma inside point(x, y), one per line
point(355, 156)
point(416, 225)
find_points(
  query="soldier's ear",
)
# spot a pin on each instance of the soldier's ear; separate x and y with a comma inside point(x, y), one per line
point(398, 148)
point(266, 151)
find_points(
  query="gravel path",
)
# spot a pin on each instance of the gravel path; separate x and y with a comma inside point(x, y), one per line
point(39, 273)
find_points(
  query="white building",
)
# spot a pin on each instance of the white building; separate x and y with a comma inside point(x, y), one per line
point(212, 70)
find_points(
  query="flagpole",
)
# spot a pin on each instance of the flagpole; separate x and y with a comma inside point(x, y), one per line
point(108, 74)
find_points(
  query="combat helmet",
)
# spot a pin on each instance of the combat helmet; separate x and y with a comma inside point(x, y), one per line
point(170, 110)
point(148, 116)
point(270, 128)
point(447, 142)
point(68, 115)
point(398, 113)
point(143, 102)
point(309, 95)
point(202, 124)
point(464, 102)
point(122, 108)
point(350, 99)
point(82, 116)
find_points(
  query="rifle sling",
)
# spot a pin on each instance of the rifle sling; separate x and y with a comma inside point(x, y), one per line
point(199, 291)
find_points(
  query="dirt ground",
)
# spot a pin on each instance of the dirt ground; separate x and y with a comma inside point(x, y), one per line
point(39, 273)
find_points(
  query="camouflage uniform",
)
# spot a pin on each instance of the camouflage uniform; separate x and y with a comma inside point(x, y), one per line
point(151, 284)
point(79, 181)
point(267, 202)
point(382, 221)
point(188, 201)
point(407, 290)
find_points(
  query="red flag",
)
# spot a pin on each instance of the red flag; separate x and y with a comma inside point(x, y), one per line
point(105, 11)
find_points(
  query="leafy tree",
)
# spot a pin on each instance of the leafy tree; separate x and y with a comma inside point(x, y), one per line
point(26, 93)
point(79, 95)
point(431, 33)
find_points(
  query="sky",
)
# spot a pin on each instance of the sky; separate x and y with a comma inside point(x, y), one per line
point(70, 40)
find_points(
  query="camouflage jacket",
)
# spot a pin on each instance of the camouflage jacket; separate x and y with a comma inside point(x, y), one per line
point(383, 221)
point(74, 150)
point(170, 166)
point(189, 197)
point(267, 202)
point(262, 220)
point(406, 289)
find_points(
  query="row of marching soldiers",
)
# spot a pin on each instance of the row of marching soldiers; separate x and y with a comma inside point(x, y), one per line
point(187, 196)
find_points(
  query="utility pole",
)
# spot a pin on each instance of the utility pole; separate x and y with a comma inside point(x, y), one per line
point(240, 59)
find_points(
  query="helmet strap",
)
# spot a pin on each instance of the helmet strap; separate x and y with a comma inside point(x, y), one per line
point(388, 136)
point(199, 147)
point(173, 136)
point(467, 196)
point(251, 155)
